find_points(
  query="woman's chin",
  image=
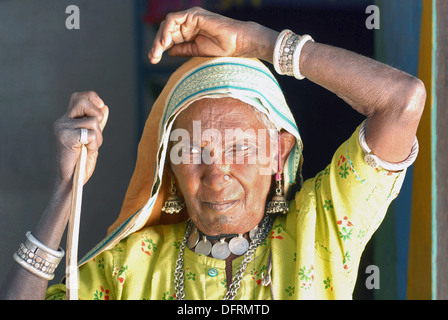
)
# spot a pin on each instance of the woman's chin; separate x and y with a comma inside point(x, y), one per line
point(224, 218)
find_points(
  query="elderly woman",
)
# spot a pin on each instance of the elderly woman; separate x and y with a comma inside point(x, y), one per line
point(209, 213)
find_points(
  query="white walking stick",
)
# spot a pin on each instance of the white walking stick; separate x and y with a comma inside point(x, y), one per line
point(73, 224)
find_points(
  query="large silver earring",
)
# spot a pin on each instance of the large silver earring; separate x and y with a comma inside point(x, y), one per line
point(278, 204)
point(174, 203)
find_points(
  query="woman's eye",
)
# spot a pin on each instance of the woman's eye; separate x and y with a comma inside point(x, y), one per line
point(241, 147)
point(247, 149)
point(190, 149)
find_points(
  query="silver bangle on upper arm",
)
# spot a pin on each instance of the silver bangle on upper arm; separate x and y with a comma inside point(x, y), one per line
point(375, 162)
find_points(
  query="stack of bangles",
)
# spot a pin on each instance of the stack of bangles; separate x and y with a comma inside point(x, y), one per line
point(37, 258)
point(287, 51)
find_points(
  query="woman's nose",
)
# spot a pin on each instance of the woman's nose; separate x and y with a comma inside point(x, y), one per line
point(216, 177)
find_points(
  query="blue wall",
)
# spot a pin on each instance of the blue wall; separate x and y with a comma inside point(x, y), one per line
point(397, 44)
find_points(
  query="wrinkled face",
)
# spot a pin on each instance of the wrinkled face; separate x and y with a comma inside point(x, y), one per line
point(223, 164)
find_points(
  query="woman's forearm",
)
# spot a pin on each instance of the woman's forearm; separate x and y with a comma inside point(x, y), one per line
point(50, 228)
point(21, 284)
point(369, 86)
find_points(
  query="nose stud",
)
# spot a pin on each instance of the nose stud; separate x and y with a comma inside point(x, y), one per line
point(226, 177)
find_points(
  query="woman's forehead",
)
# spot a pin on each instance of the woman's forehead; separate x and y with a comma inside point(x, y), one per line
point(219, 113)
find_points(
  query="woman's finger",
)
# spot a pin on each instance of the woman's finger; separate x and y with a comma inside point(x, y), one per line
point(156, 51)
point(170, 33)
point(94, 135)
point(92, 96)
point(71, 139)
point(105, 111)
point(187, 49)
point(86, 104)
point(68, 132)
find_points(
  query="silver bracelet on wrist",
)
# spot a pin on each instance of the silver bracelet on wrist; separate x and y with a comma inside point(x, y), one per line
point(296, 59)
point(375, 162)
point(38, 258)
point(278, 43)
point(287, 51)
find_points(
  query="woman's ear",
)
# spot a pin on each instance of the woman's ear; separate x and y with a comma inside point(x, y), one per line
point(287, 142)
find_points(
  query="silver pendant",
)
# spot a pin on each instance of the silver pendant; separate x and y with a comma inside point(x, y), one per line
point(238, 245)
point(203, 247)
point(220, 250)
point(253, 233)
point(193, 239)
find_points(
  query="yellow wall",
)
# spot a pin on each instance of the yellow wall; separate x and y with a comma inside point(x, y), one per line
point(420, 248)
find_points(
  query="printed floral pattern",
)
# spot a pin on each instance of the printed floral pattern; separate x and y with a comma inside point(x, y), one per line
point(167, 296)
point(345, 229)
point(101, 263)
point(328, 204)
point(327, 284)
point(344, 168)
point(148, 245)
point(290, 290)
point(101, 294)
point(120, 274)
point(306, 277)
point(189, 275)
point(258, 275)
point(276, 232)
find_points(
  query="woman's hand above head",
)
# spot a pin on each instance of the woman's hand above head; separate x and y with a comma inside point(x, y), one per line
point(198, 32)
point(86, 110)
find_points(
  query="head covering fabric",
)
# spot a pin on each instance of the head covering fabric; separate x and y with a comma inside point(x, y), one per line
point(248, 80)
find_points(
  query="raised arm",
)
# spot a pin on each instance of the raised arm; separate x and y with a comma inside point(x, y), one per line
point(392, 100)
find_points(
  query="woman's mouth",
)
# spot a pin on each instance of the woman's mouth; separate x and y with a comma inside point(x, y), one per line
point(220, 206)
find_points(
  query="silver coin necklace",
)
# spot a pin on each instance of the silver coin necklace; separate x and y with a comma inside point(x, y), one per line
point(238, 245)
point(227, 244)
